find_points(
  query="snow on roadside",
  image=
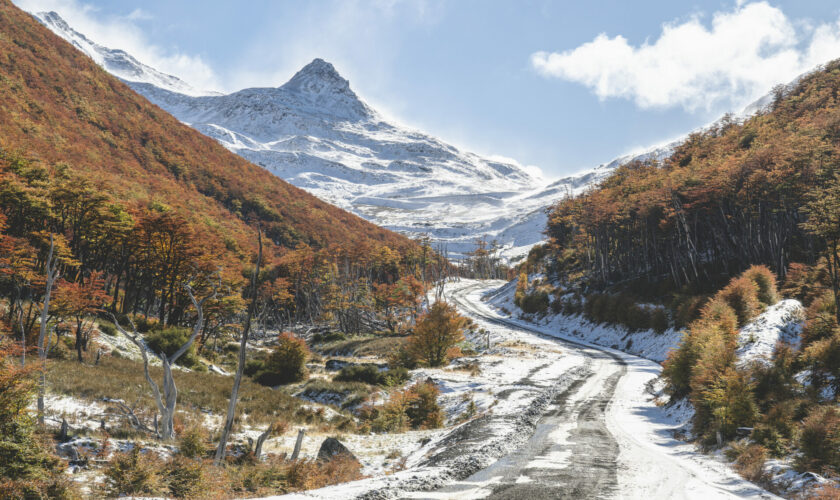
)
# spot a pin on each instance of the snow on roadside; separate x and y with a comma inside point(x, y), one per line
point(646, 343)
point(518, 377)
point(649, 433)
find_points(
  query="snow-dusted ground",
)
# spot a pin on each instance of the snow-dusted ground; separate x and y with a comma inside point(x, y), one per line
point(652, 463)
point(646, 344)
point(781, 322)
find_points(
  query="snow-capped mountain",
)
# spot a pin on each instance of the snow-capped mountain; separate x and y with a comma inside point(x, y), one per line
point(316, 133)
point(116, 62)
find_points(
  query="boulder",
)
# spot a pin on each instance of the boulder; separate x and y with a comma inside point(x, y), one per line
point(333, 365)
point(331, 448)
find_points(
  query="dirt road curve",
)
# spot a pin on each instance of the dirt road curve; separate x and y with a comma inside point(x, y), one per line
point(588, 444)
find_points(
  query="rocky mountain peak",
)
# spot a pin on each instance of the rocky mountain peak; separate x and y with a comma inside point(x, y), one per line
point(318, 77)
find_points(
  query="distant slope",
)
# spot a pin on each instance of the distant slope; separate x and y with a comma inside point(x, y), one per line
point(59, 105)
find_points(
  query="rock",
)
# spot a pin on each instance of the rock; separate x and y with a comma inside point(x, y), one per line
point(333, 365)
point(67, 450)
point(332, 447)
point(218, 370)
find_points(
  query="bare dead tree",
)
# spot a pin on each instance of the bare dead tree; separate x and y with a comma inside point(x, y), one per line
point(261, 439)
point(52, 275)
point(128, 412)
point(240, 368)
point(167, 401)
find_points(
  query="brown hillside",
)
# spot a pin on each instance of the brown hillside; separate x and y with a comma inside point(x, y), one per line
point(57, 105)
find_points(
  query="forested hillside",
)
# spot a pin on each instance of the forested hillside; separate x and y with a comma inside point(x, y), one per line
point(60, 108)
point(145, 201)
point(727, 198)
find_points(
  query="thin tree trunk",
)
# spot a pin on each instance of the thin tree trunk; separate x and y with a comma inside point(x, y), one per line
point(240, 368)
point(52, 275)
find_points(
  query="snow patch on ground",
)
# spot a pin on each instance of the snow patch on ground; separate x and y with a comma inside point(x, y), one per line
point(781, 322)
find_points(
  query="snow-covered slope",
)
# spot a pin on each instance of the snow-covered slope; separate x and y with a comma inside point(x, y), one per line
point(116, 62)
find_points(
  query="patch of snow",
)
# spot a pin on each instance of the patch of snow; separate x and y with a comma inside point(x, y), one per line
point(781, 322)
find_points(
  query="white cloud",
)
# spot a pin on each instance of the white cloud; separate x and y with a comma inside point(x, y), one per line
point(122, 32)
point(738, 57)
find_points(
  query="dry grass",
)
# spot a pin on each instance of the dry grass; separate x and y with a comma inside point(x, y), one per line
point(370, 346)
point(197, 392)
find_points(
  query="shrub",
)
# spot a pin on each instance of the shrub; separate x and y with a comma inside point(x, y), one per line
point(286, 363)
point(723, 399)
point(415, 407)
point(253, 366)
point(806, 283)
point(108, 328)
point(192, 442)
point(749, 461)
point(390, 416)
point(371, 374)
point(184, 478)
point(823, 356)
point(402, 358)
point(659, 320)
point(715, 328)
point(309, 474)
point(637, 318)
point(718, 314)
point(742, 296)
point(27, 468)
point(819, 440)
point(535, 302)
point(765, 280)
point(168, 340)
point(688, 309)
point(144, 324)
point(134, 473)
point(822, 320)
point(367, 373)
point(423, 410)
point(436, 331)
point(521, 290)
point(322, 338)
point(231, 348)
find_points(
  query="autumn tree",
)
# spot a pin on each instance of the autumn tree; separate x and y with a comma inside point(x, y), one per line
point(79, 301)
point(823, 210)
point(436, 332)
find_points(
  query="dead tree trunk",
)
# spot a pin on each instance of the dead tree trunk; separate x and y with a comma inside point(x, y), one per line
point(261, 441)
point(240, 368)
point(167, 401)
point(52, 276)
point(298, 444)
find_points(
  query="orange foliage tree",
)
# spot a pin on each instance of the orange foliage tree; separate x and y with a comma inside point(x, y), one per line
point(436, 332)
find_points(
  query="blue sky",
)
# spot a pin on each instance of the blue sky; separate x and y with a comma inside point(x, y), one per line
point(560, 85)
